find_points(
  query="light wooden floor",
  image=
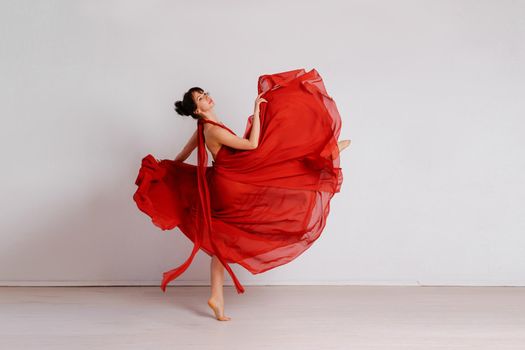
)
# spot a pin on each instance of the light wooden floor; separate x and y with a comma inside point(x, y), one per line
point(265, 317)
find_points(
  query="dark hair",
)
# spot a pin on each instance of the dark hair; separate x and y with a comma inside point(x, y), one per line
point(188, 106)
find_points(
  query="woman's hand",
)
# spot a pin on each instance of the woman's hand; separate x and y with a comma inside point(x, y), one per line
point(259, 100)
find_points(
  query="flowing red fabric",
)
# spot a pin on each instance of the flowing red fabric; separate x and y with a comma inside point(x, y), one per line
point(258, 208)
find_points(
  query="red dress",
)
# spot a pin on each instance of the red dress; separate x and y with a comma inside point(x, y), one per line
point(258, 208)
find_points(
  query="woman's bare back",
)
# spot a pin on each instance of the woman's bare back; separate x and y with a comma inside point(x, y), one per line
point(212, 146)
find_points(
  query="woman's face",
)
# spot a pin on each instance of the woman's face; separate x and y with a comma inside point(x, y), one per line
point(203, 101)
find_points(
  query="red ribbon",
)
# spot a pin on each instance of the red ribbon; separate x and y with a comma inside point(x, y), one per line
point(204, 226)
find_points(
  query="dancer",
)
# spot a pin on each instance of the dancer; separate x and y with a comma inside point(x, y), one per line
point(265, 199)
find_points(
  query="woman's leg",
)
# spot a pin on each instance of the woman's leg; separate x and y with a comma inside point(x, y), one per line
point(216, 300)
point(217, 278)
point(343, 144)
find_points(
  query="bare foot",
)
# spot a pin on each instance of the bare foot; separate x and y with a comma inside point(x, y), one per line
point(218, 308)
point(343, 144)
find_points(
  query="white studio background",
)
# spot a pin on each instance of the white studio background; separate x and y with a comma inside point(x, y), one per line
point(431, 94)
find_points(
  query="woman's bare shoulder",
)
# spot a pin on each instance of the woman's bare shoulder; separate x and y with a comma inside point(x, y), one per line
point(212, 133)
point(210, 129)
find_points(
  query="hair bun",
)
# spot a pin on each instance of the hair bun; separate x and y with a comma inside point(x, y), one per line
point(188, 106)
point(179, 108)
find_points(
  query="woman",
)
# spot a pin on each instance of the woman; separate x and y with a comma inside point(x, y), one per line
point(266, 197)
point(198, 103)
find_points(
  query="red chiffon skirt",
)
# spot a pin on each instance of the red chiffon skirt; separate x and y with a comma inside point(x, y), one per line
point(258, 208)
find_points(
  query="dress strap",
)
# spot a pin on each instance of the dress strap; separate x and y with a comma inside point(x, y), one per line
point(202, 120)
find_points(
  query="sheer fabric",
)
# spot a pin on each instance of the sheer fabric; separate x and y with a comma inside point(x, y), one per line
point(258, 208)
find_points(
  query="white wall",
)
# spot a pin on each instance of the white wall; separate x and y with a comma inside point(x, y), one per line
point(431, 94)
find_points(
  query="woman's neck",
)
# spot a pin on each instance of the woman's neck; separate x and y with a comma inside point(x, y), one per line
point(210, 115)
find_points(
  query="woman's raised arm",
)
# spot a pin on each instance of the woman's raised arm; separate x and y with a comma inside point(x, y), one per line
point(224, 137)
